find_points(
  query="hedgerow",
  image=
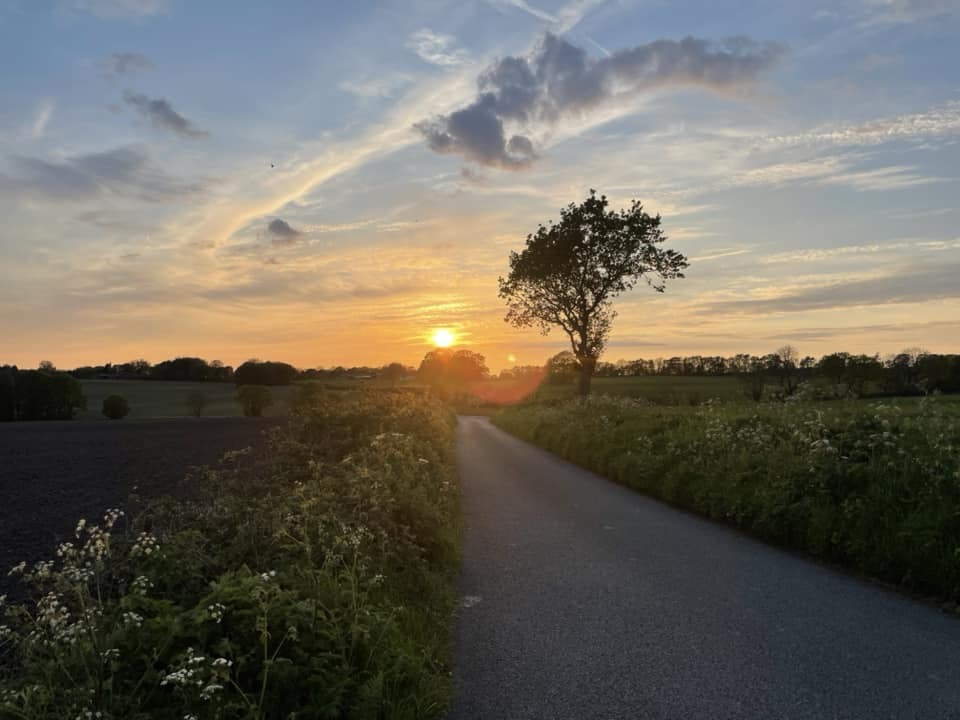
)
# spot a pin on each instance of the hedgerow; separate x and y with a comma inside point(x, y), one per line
point(875, 486)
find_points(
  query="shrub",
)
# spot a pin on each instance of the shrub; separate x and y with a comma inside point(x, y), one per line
point(316, 583)
point(254, 399)
point(196, 402)
point(115, 407)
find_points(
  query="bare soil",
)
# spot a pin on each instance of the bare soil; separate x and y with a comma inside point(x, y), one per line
point(54, 473)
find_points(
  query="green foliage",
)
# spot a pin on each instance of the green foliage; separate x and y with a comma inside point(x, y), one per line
point(316, 584)
point(452, 372)
point(44, 394)
point(873, 485)
point(254, 399)
point(115, 407)
point(569, 273)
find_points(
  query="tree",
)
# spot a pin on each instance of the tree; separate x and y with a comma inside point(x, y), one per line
point(115, 407)
point(562, 368)
point(569, 273)
point(789, 358)
point(197, 401)
point(46, 366)
point(393, 373)
point(254, 399)
point(452, 370)
point(254, 372)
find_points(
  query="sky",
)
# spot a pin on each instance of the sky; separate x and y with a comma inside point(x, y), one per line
point(327, 183)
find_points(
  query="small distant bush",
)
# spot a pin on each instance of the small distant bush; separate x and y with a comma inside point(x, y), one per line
point(197, 401)
point(115, 407)
point(254, 399)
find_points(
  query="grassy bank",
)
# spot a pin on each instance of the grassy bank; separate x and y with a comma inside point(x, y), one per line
point(875, 486)
point(318, 583)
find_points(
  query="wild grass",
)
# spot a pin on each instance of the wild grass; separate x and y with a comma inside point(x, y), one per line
point(873, 485)
point(319, 584)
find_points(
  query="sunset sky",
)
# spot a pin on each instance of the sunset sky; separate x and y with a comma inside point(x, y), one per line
point(328, 183)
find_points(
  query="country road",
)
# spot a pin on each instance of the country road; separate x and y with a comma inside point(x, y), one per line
point(583, 599)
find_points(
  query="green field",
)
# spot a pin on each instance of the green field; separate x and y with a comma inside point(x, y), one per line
point(155, 398)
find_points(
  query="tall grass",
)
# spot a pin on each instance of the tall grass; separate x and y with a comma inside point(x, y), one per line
point(873, 485)
point(319, 584)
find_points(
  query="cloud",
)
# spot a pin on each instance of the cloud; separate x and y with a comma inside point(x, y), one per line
point(282, 233)
point(558, 79)
point(940, 121)
point(912, 284)
point(161, 115)
point(122, 171)
point(122, 63)
point(900, 12)
point(42, 118)
point(436, 49)
point(116, 9)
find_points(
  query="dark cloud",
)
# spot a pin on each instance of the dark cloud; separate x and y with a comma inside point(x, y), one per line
point(161, 115)
point(560, 79)
point(123, 171)
point(123, 63)
point(910, 285)
point(282, 233)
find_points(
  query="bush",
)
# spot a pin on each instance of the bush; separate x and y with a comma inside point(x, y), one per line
point(196, 402)
point(115, 407)
point(254, 399)
point(871, 485)
point(316, 583)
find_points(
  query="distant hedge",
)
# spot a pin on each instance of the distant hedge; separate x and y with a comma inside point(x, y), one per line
point(38, 395)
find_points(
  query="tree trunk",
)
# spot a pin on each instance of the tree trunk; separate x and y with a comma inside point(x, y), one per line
point(587, 367)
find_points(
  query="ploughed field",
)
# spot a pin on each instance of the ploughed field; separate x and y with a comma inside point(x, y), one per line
point(54, 473)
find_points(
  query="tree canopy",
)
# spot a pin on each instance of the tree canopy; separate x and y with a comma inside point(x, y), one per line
point(569, 273)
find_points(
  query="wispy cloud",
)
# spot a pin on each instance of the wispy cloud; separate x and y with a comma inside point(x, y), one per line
point(42, 118)
point(559, 79)
point(114, 9)
point(437, 48)
point(124, 63)
point(940, 121)
point(899, 12)
point(161, 115)
point(122, 172)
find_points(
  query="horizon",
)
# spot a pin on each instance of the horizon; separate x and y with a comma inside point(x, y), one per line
point(173, 179)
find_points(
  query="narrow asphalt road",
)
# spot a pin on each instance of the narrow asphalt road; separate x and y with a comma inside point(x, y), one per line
point(583, 599)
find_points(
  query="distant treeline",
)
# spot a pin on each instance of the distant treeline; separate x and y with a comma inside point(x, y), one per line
point(252, 372)
point(908, 372)
point(43, 394)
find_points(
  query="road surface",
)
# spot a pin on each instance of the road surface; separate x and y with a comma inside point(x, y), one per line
point(583, 599)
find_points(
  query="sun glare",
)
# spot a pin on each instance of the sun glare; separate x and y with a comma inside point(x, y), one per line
point(442, 337)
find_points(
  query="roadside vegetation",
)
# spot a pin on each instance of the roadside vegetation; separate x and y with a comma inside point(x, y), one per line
point(874, 485)
point(317, 582)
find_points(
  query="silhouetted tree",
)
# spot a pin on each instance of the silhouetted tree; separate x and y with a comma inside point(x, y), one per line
point(254, 399)
point(254, 372)
point(452, 371)
point(38, 395)
point(562, 368)
point(569, 273)
point(393, 373)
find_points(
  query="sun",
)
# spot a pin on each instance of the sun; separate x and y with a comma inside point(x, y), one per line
point(442, 337)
